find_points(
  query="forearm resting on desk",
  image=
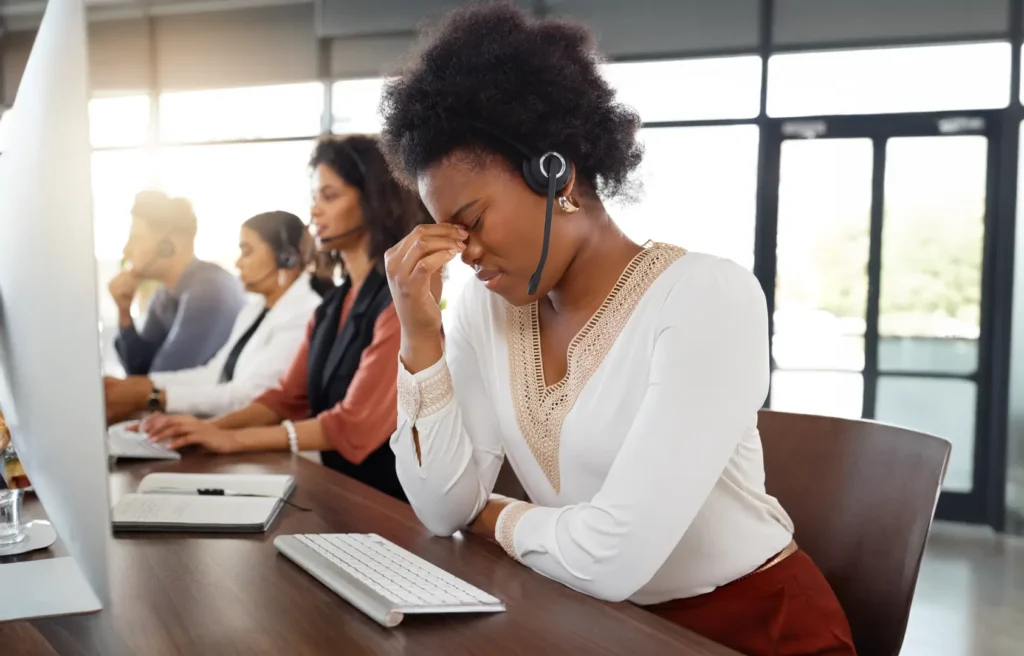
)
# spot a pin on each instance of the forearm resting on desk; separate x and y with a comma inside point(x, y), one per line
point(251, 416)
point(275, 438)
point(447, 475)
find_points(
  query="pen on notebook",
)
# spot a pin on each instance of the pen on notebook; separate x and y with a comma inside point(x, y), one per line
point(221, 492)
point(206, 492)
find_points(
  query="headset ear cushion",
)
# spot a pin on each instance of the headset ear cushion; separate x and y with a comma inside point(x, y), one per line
point(289, 259)
point(538, 182)
point(165, 248)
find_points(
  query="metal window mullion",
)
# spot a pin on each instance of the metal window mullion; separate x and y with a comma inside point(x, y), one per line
point(872, 311)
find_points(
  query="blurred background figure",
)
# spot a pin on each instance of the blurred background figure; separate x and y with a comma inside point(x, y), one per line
point(339, 395)
point(276, 253)
point(191, 315)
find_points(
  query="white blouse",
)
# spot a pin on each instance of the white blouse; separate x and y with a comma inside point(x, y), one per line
point(262, 362)
point(644, 462)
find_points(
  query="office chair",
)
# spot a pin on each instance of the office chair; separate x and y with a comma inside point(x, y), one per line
point(862, 496)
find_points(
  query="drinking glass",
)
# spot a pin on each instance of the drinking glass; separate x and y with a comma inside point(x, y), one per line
point(10, 517)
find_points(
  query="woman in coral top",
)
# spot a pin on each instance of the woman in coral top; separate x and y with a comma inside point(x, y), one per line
point(338, 396)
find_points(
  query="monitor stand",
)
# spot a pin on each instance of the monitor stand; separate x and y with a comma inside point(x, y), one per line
point(44, 588)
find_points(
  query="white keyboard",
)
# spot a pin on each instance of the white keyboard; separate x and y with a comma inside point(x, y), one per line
point(381, 579)
point(123, 443)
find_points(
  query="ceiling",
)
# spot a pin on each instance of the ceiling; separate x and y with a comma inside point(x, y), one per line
point(16, 15)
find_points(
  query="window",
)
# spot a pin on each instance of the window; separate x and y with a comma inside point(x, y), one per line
point(699, 191)
point(355, 105)
point(689, 89)
point(273, 112)
point(933, 229)
point(931, 78)
point(117, 175)
point(938, 406)
point(114, 122)
point(229, 183)
point(119, 121)
point(930, 297)
point(821, 284)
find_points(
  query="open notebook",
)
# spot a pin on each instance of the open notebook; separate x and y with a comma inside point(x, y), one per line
point(171, 502)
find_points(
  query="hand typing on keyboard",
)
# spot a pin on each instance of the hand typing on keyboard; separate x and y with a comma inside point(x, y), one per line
point(126, 440)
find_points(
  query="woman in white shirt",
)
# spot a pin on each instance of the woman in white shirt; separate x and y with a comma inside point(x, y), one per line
point(275, 252)
point(622, 382)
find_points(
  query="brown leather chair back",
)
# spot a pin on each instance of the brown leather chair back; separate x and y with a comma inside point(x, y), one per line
point(862, 496)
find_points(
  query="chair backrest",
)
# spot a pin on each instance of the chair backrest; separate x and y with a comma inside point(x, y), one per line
point(862, 496)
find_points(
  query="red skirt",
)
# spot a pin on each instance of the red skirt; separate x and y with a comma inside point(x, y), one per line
point(788, 609)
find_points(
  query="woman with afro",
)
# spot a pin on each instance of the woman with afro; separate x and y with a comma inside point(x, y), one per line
point(621, 381)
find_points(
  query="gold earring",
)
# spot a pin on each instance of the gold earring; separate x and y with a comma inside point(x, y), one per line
point(568, 204)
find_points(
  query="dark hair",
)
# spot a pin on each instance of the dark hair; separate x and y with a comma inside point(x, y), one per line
point(535, 80)
point(390, 211)
point(284, 232)
point(164, 214)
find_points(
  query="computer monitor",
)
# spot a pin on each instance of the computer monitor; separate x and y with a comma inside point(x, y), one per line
point(51, 392)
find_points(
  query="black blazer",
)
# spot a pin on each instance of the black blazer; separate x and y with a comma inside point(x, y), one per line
point(333, 361)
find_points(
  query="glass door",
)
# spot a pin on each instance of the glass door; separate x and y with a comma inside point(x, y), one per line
point(877, 302)
point(929, 318)
point(824, 222)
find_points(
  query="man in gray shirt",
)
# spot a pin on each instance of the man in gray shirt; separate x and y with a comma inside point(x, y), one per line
point(190, 317)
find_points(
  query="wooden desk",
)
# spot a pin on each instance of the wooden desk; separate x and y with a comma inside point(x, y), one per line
point(196, 595)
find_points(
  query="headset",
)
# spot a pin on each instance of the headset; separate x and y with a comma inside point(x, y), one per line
point(540, 176)
point(286, 256)
point(350, 231)
point(355, 158)
point(164, 249)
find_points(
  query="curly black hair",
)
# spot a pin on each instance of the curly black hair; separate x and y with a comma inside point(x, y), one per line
point(535, 80)
point(390, 210)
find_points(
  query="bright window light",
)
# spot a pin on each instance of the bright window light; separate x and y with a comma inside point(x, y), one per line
point(280, 111)
point(699, 191)
point(689, 89)
point(230, 183)
point(119, 121)
point(917, 79)
point(5, 128)
point(355, 106)
point(117, 175)
point(114, 121)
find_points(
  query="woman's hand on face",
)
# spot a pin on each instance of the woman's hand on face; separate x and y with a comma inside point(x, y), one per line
point(182, 430)
point(414, 267)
